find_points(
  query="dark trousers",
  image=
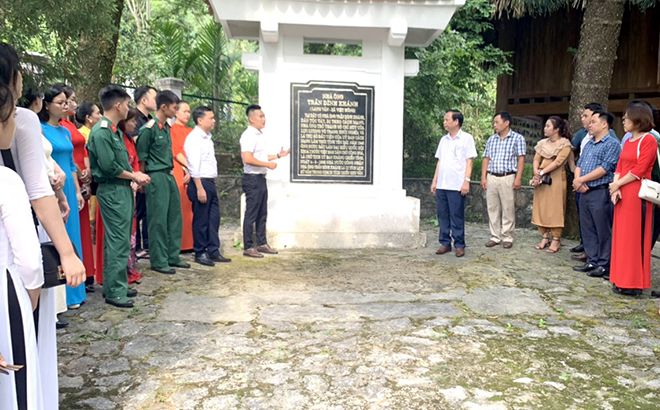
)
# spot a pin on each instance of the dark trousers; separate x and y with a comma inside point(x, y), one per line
point(206, 218)
point(577, 204)
point(451, 217)
point(596, 214)
point(256, 208)
point(141, 231)
point(656, 225)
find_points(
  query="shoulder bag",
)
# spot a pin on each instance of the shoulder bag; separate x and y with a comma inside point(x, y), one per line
point(649, 190)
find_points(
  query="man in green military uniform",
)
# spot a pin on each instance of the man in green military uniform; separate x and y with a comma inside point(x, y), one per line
point(154, 149)
point(108, 160)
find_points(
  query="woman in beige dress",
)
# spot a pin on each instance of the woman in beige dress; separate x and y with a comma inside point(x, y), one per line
point(550, 193)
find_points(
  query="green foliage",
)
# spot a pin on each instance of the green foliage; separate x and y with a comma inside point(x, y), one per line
point(51, 35)
point(181, 39)
point(458, 70)
point(335, 49)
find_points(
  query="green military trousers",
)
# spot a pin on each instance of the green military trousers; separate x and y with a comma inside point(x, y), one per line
point(164, 222)
point(117, 209)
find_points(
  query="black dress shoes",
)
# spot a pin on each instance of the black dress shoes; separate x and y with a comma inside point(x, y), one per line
point(580, 257)
point(599, 272)
point(626, 292)
point(577, 249)
point(120, 302)
point(204, 259)
point(182, 265)
point(61, 324)
point(89, 288)
point(130, 293)
point(220, 258)
point(166, 271)
point(587, 267)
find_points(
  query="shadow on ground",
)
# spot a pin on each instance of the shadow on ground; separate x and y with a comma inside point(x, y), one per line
point(372, 329)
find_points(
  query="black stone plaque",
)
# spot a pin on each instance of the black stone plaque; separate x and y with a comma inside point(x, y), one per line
point(332, 132)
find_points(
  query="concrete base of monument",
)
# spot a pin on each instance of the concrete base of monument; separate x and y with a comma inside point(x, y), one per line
point(343, 223)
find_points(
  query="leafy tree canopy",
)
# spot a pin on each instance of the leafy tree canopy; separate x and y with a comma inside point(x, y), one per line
point(50, 34)
point(458, 70)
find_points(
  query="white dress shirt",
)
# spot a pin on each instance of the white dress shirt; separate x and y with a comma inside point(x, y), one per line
point(200, 154)
point(28, 153)
point(19, 247)
point(453, 154)
point(254, 141)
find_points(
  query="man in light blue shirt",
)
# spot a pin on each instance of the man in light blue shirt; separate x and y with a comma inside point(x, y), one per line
point(593, 174)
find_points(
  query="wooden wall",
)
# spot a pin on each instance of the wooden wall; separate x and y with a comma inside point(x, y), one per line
point(543, 63)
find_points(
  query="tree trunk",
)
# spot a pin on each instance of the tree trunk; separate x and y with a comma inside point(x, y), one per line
point(599, 41)
point(97, 73)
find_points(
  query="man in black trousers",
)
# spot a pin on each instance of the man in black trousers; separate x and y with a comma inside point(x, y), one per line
point(593, 174)
point(202, 192)
point(256, 162)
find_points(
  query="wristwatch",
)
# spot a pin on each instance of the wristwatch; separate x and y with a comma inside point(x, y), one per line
point(467, 179)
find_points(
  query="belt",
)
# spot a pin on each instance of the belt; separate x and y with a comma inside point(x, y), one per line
point(255, 175)
point(597, 187)
point(117, 181)
point(165, 171)
point(209, 179)
point(502, 175)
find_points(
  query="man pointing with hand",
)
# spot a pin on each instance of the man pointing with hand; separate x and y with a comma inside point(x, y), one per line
point(256, 162)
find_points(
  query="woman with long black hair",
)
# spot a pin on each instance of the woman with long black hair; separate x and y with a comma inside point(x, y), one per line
point(53, 110)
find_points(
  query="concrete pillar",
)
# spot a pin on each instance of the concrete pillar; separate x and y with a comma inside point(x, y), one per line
point(173, 84)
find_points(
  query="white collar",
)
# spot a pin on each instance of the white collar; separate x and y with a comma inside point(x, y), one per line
point(201, 132)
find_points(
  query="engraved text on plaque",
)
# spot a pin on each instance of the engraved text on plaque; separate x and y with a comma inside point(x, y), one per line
point(332, 132)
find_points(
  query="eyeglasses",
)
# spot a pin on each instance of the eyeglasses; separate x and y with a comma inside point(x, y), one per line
point(62, 103)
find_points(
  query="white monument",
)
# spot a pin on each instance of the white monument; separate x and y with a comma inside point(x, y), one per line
point(342, 116)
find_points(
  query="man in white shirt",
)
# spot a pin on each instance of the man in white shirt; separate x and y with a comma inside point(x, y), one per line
point(203, 169)
point(256, 162)
point(451, 182)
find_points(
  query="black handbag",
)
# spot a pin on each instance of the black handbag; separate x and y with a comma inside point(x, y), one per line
point(546, 179)
point(53, 273)
point(52, 266)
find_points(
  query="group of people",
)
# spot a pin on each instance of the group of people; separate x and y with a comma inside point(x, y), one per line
point(133, 181)
point(617, 228)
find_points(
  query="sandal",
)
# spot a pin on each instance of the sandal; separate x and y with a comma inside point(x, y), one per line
point(143, 254)
point(551, 250)
point(545, 242)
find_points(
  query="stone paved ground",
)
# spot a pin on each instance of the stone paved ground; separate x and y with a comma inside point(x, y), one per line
point(369, 329)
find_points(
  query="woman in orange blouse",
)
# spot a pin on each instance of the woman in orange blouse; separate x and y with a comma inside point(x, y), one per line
point(179, 132)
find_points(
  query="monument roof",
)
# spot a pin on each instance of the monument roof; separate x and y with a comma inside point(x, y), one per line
point(420, 21)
